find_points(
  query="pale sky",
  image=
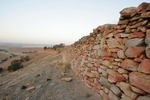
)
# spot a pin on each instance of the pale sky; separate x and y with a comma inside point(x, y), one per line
point(56, 21)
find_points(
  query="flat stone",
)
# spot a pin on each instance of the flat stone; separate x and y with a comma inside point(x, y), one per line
point(30, 89)
point(142, 23)
point(147, 38)
point(134, 42)
point(145, 66)
point(133, 52)
point(67, 79)
point(113, 43)
point(143, 98)
point(123, 22)
point(136, 35)
point(124, 97)
point(111, 72)
point(112, 96)
point(103, 72)
point(96, 47)
point(127, 12)
point(122, 71)
point(111, 79)
point(100, 53)
point(129, 65)
point(121, 54)
point(104, 95)
point(147, 52)
point(123, 35)
point(103, 81)
point(145, 15)
point(136, 90)
point(125, 87)
point(140, 80)
point(143, 6)
point(106, 63)
point(115, 90)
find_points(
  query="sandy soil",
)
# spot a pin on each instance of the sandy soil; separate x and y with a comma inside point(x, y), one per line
point(43, 81)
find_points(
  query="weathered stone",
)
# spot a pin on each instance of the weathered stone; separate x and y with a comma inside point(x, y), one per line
point(96, 47)
point(136, 90)
point(145, 15)
point(104, 95)
point(111, 72)
point(106, 90)
point(106, 63)
point(30, 89)
point(142, 29)
point(112, 96)
point(143, 98)
point(147, 38)
point(135, 18)
point(126, 88)
point(129, 65)
point(90, 74)
point(134, 42)
point(115, 90)
point(142, 23)
point(124, 22)
point(103, 72)
point(133, 52)
point(103, 81)
point(123, 35)
point(139, 80)
point(113, 43)
point(136, 35)
point(111, 79)
point(121, 54)
point(145, 66)
point(122, 71)
point(147, 52)
point(124, 97)
point(100, 53)
point(67, 79)
point(143, 6)
point(127, 12)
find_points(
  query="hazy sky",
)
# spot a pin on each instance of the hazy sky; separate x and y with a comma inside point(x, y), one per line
point(56, 21)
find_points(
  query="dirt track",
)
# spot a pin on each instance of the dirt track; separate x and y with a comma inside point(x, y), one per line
point(45, 81)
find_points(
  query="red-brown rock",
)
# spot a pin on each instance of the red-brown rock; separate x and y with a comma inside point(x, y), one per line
point(129, 65)
point(147, 51)
point(145, 66)
point(147, 38)
point(133, 52)
point(139, 80)
point(136, 35)
point(143, 6)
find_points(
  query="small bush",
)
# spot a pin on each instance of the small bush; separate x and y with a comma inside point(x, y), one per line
point(23, 59)
point(15, 65)
point(1, 70)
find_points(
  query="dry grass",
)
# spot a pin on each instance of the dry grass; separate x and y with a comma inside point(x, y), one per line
point(62, 64)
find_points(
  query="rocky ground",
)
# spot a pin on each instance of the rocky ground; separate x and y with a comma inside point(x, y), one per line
point(40, 80)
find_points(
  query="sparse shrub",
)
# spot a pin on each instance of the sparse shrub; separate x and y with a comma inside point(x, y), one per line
point(1, 70)
point(15, 65)
point(23, 59)
point(45, 48)
point(61, 45)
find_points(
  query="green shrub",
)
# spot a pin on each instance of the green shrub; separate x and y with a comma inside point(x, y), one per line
point(15, 65)
point(23, 59)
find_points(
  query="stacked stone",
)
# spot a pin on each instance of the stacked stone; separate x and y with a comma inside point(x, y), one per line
point(114, 60)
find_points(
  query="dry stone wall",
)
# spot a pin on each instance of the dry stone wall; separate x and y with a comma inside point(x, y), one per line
point(114, 60)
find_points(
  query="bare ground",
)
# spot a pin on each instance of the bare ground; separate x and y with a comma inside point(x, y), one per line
point(44, 81)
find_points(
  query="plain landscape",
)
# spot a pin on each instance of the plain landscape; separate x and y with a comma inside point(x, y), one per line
point(42, 59)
